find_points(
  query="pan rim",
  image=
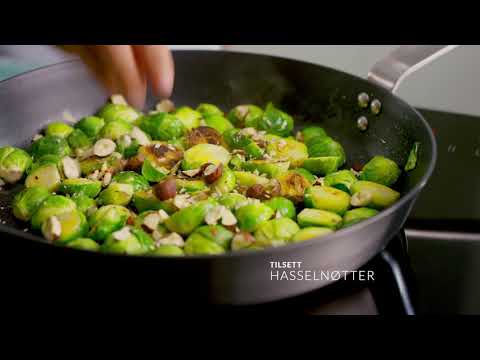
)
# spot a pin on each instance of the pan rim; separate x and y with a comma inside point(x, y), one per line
point(407, 197)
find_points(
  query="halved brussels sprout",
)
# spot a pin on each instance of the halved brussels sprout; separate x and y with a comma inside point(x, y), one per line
point(245, 178)
point(58, 129)
point(84, 203)
point(91, 126)
point(167, 250)
point(252, 215)
point(245, 116)
point(189, 117)
point(322, 165)
point(293, 185)
point(54, 205)
point(381, 170)
point(209, 109)
point(282, 206)
point(354, 216)
point(235, 139)
point(84, 244)
point(270, 168)
point(311, 132)
point(275, 121)
point(131, 177)
point(342, 180)
point(113, 164)
point(47, 176)
point(412, 157)
point(236, 162)
point(289, 149)
point(326, 146)
point(201, 154)
point(317, 217)
point(116, 194)
point(69, 226)
point(226, 182)
point(114, 130)
point(79, 140)
point(190, 185)
point(118, 112)
point(106, 220)
point(218, 122)
point(145, 200)
point(81, 186)
point(327, 198)
point(152, 172)
point(26, 202)
point(186, 220)
point(231, 200)
point(276, 232)
point(50, 145)
point(380, 196)
point(14, 163)
point(306, 174)
point(216, 233)
point(44, 160)
point(163, 126)
point(198, 245)
point(128, 240)
point(127, 146)
point(310, 233)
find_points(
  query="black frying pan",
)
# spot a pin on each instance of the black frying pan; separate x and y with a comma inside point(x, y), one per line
point(314, 94)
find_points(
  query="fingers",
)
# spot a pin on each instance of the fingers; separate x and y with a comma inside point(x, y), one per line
point(159, 68)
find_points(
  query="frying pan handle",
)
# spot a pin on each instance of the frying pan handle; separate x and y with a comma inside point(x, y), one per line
point(393, 69)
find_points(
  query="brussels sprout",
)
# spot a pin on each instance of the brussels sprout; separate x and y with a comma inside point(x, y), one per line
point(291, 150)
point(354, 216)
point(145, 200)
point(216, 233)
point(380, 196)
point(208, 110)
point(236, 162)
point(106, 220)
point(129, 241)
point(130, 177)
point(163, 126)
point(412, 157)
point(167, 250)
point(272, 169)
point(113, 164)
point(282, 206)
point(244, 240)
point(231, 200)
point(252, 215)
point(245, 178)
point(293, 185)
point(317, 217)
point(91, 126)
point(184, 221)
point(90, 188)
point(13, 163)
point(54, 205)
point(118, 112)
point(342, 180)
point(275, 121)
point(306, 174)
point(381, 170)
point(65, 227)
point(326, 146)
point(127, 146)
point(311, 132)
point(218, 122)
point(26, 202)
point(327, 198)
point(84, 203)
point(201, 154)
point(44, 160)
point(50, 145)
point(84, 244)
point(276, 232)
point(116, 194)
point(153, 172)
point(189, 117)
point(114, 130)
point(235, 139)
point(198, 245)
point(310, 233)
point(58, 129)
point(226, 182)
point(45, 175)
point(245, 116)
point(322, 165)
point(79, 140)
point(190, 185)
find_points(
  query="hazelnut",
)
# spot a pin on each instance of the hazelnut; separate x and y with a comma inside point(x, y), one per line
point(212, 173)
point(256, 191)
point(166, 189)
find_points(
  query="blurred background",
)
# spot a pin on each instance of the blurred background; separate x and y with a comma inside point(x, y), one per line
point(449, 84)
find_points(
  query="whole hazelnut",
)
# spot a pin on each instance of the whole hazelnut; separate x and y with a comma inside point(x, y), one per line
point(166, 189)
